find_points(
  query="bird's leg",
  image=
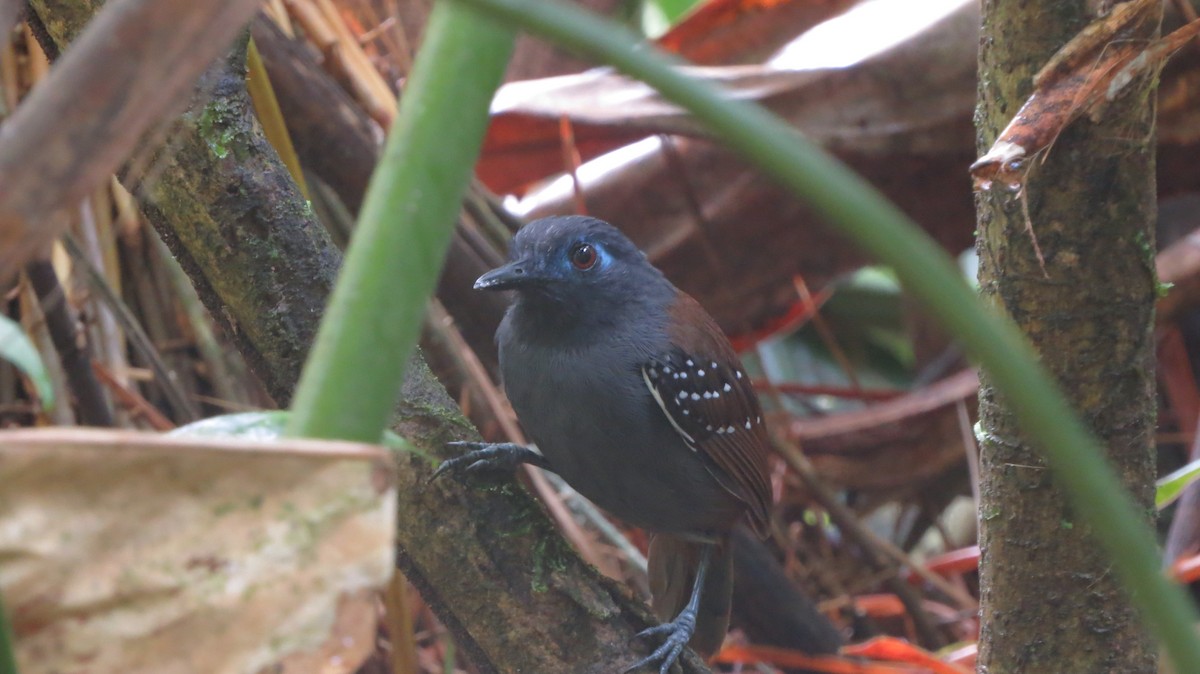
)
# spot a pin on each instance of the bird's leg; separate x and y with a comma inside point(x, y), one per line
point(488, 457)
point(679, 631)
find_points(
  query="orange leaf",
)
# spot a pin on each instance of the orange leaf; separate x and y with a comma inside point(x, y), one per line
point(745, 31)
point(953, 563)
point(898, 650)
point(828, 664)
point(880, 605)
point(1186, 570)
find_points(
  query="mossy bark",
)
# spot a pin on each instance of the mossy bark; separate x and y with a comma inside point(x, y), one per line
point(516, 598)
point(1050, 602)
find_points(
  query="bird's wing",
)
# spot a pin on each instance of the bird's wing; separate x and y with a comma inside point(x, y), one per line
point(699, 384)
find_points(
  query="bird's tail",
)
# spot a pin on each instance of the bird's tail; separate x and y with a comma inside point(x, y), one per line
point(673, 562)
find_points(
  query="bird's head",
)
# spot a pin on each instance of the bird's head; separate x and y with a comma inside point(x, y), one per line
point(574, 262)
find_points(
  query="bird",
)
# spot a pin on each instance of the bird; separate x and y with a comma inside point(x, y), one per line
point(632, 394)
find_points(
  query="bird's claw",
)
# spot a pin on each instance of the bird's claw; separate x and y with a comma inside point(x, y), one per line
point(678, 633)
point(487, 458)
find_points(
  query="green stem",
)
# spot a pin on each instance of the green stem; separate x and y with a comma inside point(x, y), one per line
point(352, 378)
point(8, 649)
point(862, 214)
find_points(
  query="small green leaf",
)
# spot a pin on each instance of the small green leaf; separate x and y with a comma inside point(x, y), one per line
point(16, 348)
point(1171, 486)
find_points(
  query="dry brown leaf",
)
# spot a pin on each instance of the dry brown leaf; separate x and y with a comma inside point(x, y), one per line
point(1089, 72)
point(857, 108)
point(129, 552)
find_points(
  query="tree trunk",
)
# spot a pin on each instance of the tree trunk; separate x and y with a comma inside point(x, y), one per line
point(1050, 602)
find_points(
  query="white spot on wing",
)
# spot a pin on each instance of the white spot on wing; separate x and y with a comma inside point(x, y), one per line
point(658, 399)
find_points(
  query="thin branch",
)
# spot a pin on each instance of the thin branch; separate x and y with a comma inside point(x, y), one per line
point(876, 556)
point(179, 399)
point(71, 344)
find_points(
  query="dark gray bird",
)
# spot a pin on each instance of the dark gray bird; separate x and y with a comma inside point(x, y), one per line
point(634, 396)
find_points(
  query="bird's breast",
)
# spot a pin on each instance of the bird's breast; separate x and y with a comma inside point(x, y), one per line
point(590, 413)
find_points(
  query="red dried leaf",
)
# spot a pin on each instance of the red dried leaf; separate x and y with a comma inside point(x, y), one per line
point(1186, 570)
point(952, 563)
point(830, 664)
point(898, 650)
point(722, 32)
point(880, 605)
point(606, 111)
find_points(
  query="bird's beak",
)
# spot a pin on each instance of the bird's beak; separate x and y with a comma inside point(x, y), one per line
point(512, 275)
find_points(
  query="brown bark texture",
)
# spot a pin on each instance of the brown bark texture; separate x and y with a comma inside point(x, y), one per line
point(515, 596)
point(1049, 600)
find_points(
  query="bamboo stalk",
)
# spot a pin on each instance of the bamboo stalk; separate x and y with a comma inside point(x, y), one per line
point(135, 331)
point(345, 59)
point(278, 13)
point(95, 232)
point(381, 92)
point(98, 102)
point(398, 615)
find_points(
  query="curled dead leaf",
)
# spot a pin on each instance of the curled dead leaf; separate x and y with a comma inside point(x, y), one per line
point(1089, 72)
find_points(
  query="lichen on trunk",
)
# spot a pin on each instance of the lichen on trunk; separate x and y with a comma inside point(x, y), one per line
point(1070, 258)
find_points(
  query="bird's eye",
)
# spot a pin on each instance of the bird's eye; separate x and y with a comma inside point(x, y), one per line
point(583, 256)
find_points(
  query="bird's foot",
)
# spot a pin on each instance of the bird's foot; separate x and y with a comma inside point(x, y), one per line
point(678, 632)
point(488, 459)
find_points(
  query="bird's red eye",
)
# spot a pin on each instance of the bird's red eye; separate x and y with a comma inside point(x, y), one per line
point(583, 256)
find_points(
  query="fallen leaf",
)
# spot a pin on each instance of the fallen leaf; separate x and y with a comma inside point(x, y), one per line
point(130, 552)
point(899, 650)
point(721, 32)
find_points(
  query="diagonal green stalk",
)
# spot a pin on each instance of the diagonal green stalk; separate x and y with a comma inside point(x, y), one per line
point(865, 216)
point(352, 378)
